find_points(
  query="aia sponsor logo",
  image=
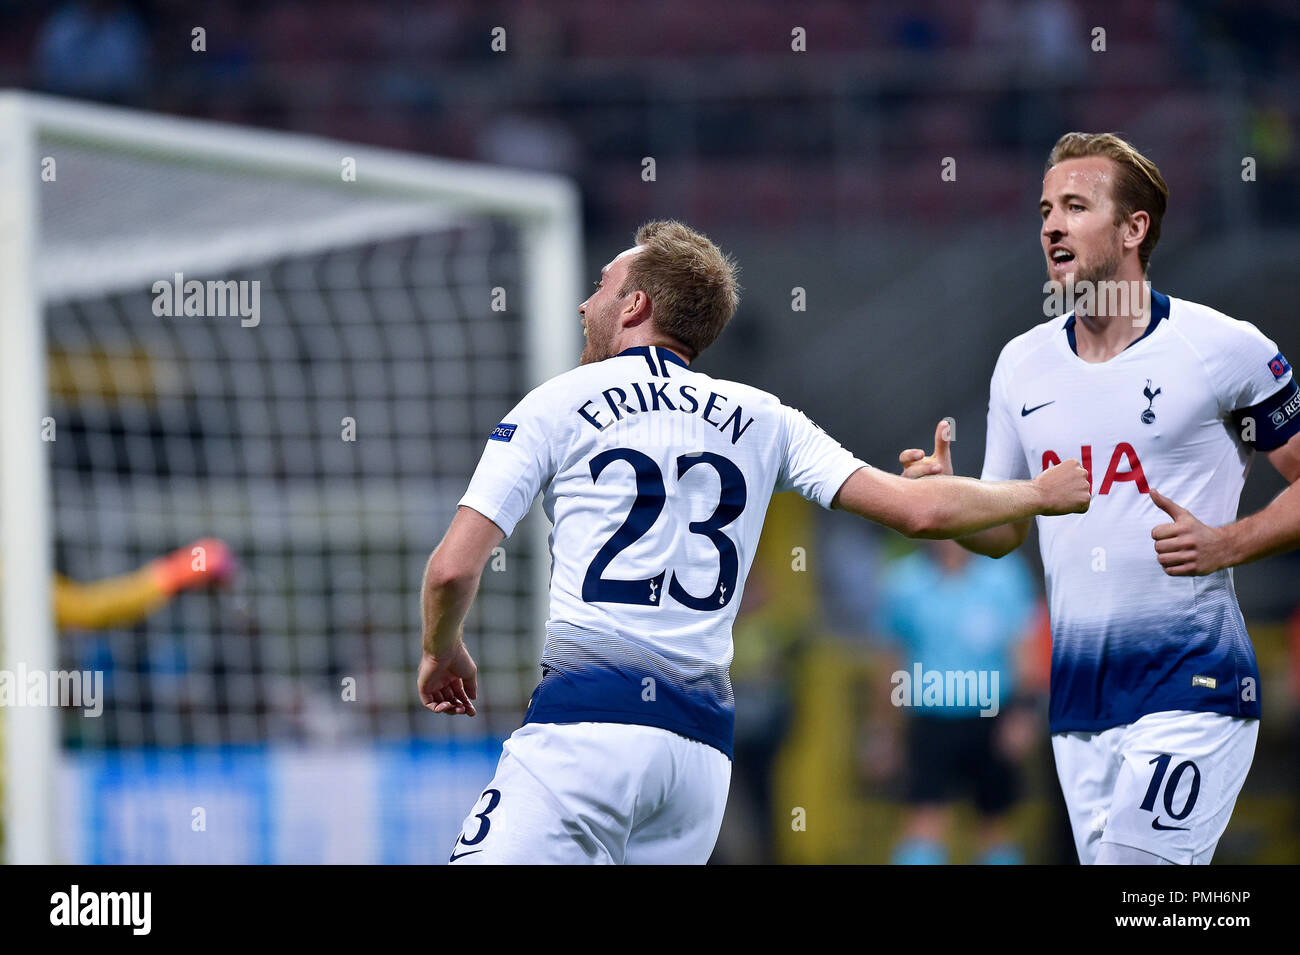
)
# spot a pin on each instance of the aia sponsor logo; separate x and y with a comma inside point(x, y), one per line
point(1123, 455)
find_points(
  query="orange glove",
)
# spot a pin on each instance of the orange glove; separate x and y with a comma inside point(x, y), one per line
point(206, 562)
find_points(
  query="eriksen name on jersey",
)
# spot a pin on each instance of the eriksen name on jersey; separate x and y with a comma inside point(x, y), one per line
point(654, 396)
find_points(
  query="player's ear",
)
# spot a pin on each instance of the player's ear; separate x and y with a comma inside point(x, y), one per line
point(637, 310)
point(1138, 224)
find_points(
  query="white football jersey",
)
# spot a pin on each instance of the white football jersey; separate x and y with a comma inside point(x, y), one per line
point(656, 479)
point(1180, 410)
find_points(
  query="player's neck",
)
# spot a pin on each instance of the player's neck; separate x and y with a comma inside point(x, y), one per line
point(1108, 323)
point(654, 341)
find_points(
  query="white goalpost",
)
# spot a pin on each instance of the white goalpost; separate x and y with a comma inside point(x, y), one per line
point(414, 296)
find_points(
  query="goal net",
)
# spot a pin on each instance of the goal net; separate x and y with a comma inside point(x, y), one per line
point(297, 347)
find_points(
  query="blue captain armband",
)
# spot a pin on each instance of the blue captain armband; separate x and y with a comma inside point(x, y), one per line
point(1269, 424)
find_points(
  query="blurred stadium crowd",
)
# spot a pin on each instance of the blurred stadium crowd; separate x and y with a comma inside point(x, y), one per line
point(820, 171)
point(587, 88)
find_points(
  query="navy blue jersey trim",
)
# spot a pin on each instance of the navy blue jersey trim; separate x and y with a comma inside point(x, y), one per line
point(721, 744)
point(1277, 418)
point(649, 358)
point(663, 354)
point(1068, 724)
point(1159, 312)
point(609, 694)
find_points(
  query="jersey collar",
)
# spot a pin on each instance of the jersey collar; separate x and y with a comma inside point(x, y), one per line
point(1159, 312)
point(653, 353)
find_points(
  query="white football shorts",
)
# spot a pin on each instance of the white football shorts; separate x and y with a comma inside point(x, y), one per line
point(598, 793)
point(1165, 783)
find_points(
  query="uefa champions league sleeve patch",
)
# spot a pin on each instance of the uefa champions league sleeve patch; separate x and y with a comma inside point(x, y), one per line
point(1279, 367)
point(503, 432)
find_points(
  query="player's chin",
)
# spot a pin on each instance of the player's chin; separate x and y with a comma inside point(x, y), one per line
point(1063, 273)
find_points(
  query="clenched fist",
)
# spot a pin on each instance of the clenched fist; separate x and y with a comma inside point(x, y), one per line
point(1064, 488)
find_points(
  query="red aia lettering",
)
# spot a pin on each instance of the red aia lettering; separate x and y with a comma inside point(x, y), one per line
point(1134, 472)
point(1123, 450)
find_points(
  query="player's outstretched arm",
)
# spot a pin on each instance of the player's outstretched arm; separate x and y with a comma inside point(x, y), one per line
point(943, 506)
point(995, 541)
point(448, 678)
point(127, 599)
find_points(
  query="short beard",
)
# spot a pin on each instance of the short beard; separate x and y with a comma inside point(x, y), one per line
point(599, 344)
point(1103, 271)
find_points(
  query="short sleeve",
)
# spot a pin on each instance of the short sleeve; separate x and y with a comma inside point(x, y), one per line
point(1247, 367)
point(813, 463)
point(517, 463)
point(1004, 456)
point(1257, 387)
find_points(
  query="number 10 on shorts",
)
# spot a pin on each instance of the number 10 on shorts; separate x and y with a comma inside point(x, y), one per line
point(1161, 764)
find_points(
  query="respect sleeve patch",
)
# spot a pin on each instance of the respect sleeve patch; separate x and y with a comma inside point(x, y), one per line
point(1279, 367)
point(503, 432)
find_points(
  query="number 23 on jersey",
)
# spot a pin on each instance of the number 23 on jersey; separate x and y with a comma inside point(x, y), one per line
point(645, 511)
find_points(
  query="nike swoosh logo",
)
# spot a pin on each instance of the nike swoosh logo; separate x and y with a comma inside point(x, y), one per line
point(1028, 411)
point(462, 855)
point(1155, 824)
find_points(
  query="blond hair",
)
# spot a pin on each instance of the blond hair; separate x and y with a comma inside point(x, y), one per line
point(1139, 185)
point(690, 282)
